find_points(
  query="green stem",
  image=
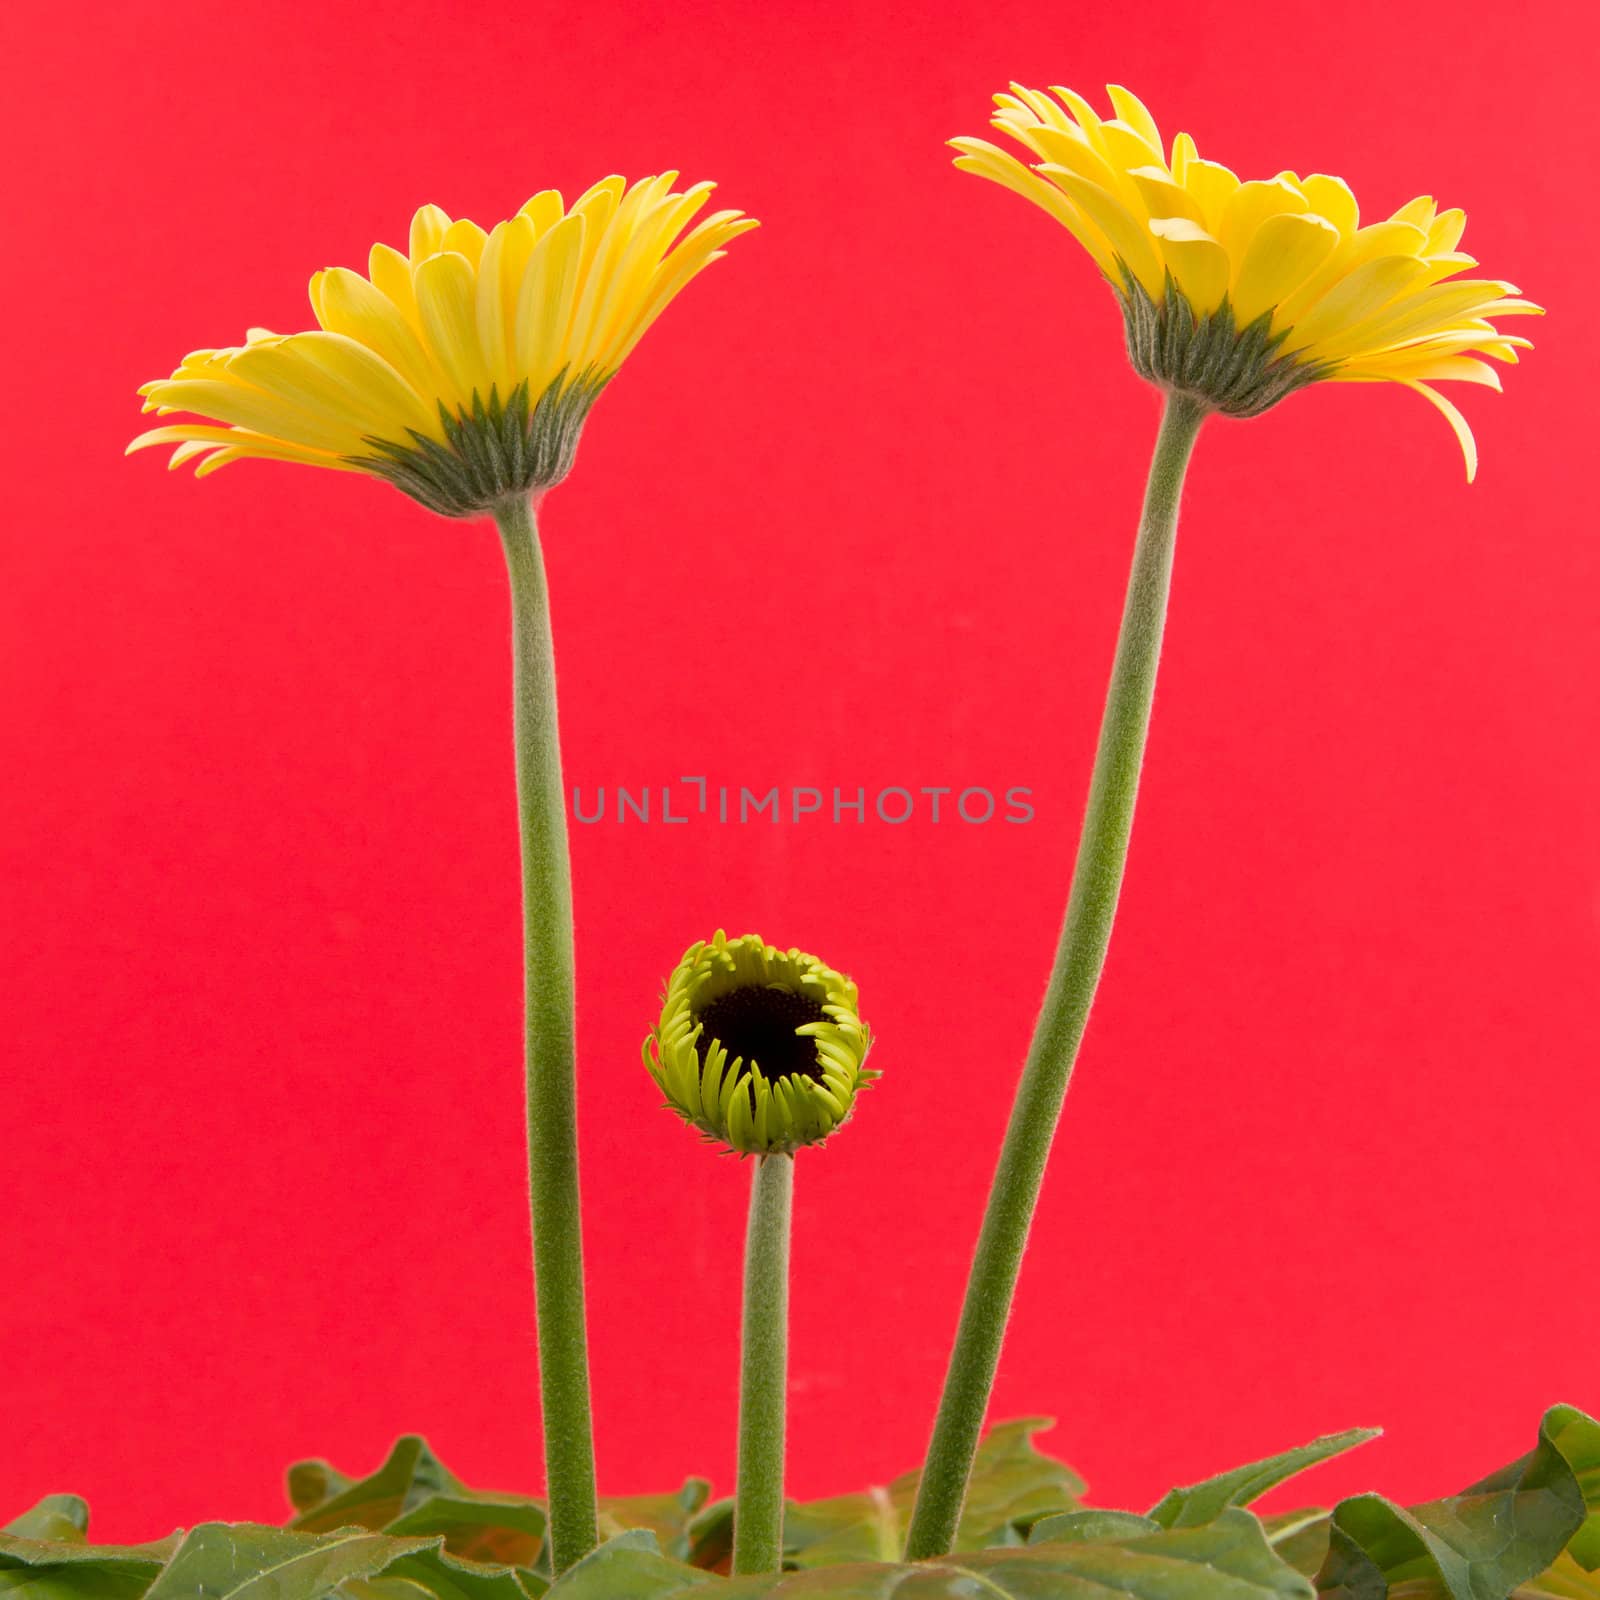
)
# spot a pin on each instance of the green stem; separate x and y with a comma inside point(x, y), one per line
point(763, 1370)
point(551, 1065)
point(1085, 933)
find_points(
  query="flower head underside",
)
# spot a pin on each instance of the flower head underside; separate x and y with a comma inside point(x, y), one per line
point(1242, 291)
point(462, 369)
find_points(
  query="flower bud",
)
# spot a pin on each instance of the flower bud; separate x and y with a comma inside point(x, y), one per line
point(760, 1049)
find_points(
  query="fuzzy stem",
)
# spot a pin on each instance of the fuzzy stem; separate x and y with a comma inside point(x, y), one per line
point(1080, 955)
point(551, 1068)
point(763, 1370)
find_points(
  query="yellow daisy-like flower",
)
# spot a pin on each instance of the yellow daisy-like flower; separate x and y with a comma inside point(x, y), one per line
point(460, 371)
point(1241, 292)
point(759, 1048)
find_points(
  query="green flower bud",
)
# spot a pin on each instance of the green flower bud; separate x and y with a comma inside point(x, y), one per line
point(760, 1049)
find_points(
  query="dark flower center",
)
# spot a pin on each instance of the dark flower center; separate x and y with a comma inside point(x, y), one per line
point(758, 1024)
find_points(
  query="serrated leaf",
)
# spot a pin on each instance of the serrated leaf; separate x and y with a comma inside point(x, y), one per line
point(1228, 1559)
point(243, 1561)
point(1479, 1545)
point(410, 1475)
point(1188, 1508)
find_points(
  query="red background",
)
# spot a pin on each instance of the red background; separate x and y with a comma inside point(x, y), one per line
point(858, 512)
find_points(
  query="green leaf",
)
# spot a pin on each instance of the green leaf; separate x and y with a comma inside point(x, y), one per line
point(381, 1589)
point(313, 1483)
point(60, 1517)
point(1227, 1560)
point(1068, 1525)
point(411, 1475)
point(1480, 1544)
point(1300, 1537)
point(632, 1567)
point(1564, 1579)
point(1013, 1484)
point(491, 1528)
point(668, 1516)
point(455, 1578)
point(1188, 1508)
point(98, 1580)
point(1575, 1437)
point(45, 1555)
point(242, 1561)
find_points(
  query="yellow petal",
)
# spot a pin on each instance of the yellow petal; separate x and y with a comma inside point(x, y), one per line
point(1125, 149)
point(544, 210)
point(1353, 251)
point(1458, 424)
point(427, 230)
point(1131, 109)
point(1444, 232)
point(270, 451)
point(1067, 147)
point(1183, 152)
point(466, 239)
point(1163, 196)
point(1211, 184)
point(1331, 198)
point(390, 273)
point(1199, 265)
point(640, 262)
point(696, 253)
point(339, 378)
point(1354, 298)
point(1125, 232)
point(1395, 366)
point(545, 302)
point(1249, 206)
point(1420, 211)
point(985, 160)
point(447, 294)
point(1285, 251)
point(1431, 309)
point(1029, 103)
point(1083, 113)
point(350, 305)
point(248, 407)
point(505, 259)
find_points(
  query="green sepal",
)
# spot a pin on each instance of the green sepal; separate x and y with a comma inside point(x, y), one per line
point(1237, 371)
point(493, 450)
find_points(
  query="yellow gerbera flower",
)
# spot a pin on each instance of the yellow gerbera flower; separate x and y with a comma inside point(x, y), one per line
point(1240, 292)
point(761, 1049)
point(463, 370)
